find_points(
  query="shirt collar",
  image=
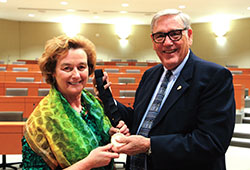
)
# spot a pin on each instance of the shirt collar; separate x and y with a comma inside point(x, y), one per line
point(178, 69)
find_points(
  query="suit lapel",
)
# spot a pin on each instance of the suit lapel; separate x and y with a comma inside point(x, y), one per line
point(180, 86)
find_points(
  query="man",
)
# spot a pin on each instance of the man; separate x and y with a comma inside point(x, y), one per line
point(194, 125)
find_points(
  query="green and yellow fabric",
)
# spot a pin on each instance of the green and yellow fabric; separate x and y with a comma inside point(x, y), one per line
point(59, 134)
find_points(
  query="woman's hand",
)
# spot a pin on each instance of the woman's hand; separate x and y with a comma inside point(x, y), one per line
point(98, 157)
point(101, 156)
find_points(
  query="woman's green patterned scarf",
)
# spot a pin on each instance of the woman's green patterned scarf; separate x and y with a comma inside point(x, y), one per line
point(57, 132)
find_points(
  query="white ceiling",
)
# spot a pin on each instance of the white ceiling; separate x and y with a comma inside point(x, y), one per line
point(108, 11)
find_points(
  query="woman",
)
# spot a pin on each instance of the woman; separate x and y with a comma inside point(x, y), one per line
point(68, 129)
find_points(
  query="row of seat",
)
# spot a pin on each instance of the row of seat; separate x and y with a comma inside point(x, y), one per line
point(18, 108)
point(107, 68)
point(38, 90)
point(122, 66)
point(116, 61)
point(42, 89)
point(36, 76)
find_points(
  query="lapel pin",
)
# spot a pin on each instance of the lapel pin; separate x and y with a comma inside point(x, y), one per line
point(179, 87)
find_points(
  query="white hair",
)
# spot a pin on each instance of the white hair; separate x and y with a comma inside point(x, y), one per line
point(184, 17)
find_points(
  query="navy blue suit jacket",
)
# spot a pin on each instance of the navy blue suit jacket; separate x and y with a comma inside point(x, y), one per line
point(194, 127)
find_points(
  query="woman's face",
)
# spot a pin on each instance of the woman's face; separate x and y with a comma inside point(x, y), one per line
point(72, 72)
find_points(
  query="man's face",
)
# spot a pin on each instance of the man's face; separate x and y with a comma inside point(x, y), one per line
point(171, 53)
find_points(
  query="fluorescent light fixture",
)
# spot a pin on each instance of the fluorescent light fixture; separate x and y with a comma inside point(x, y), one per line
point(125, 5)
point(64, 3)
point(3, 1)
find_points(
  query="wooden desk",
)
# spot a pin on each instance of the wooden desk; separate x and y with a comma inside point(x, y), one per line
point(11, 134)
point(12, 75)
point(244, 70)
point(239, 96)
point(31, 67)
point(32, 86)
point(114, 77)
point(123, 69)
point(130, 63)
point(19, 103)
point(9, 76)
point(243, 79)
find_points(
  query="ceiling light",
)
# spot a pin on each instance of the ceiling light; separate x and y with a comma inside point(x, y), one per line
point(71, 25)
point(64, 3)
point(248, 8)
point(3, 1)
point(125, 5)
point(221, 25)
point(71, 10)
point(221, 40)
point(123, 12)
point(123, 29)
point(31, 15)
point(96, 17)
point(182, 6)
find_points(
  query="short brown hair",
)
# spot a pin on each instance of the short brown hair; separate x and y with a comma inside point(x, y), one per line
point(59, 46)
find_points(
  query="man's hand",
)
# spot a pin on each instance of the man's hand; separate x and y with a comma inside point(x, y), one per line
point(121, 128)
point(133, 145)
point(108, 85)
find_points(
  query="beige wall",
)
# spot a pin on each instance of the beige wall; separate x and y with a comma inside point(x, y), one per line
point(25, 40)
point(236, 51)
point(9, 40)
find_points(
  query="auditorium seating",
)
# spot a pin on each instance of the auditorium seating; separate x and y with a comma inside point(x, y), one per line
point(127, 93)
point(16, 91)
point(18, 62)
point(126, 80)
point(121, 64)
point(133, 71)
point(25, 79)
point(2, 68)
point(35, 89)
point(111, 70)
point(11, 115)
point(43, 92)
point(20, 69)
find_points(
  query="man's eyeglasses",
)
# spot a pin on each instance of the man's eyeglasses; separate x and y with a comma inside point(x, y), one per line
point(174, 35)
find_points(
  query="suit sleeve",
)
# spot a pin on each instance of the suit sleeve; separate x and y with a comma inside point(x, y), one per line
point(214, 124)
point(128, 113)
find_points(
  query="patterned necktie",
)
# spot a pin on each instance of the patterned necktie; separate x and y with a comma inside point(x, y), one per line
point(138, 161)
